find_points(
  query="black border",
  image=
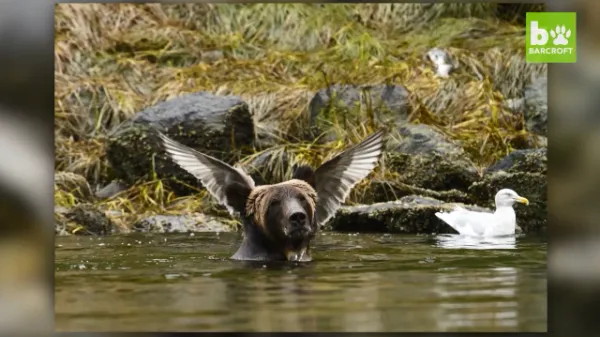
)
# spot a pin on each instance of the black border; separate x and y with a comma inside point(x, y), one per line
point(28, 49)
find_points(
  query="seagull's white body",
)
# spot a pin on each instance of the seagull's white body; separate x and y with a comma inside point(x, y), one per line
point(500, 223)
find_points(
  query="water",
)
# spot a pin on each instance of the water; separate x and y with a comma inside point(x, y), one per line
point(364, 282)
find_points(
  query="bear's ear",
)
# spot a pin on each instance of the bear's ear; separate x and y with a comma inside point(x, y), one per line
point(305, 173)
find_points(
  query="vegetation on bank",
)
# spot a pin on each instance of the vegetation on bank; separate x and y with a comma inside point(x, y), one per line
point(113, 60)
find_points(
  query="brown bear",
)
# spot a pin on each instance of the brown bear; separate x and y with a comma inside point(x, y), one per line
point(280, 220)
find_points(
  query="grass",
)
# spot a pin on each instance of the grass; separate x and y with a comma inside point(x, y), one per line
point(112, 60)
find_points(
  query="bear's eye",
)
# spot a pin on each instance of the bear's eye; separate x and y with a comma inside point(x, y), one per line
point(303, 201)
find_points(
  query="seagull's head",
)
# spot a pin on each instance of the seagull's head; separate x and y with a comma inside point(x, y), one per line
point(507, 197)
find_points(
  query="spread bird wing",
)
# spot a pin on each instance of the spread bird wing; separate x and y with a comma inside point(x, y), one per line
point(334, 179)
point(229, 185)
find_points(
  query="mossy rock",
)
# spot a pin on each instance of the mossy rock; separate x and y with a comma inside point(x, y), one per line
point(525, 172)
point(533, 186)
point(220, 126)
point(83, 219)
point(425, 158)
point(412, 214)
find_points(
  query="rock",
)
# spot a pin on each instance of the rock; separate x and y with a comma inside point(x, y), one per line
point(110, 190)
point(220, 126)
point(530, 160)
point(412, 214)
point(531, 218)
point(421, 138)
point(83, 219)
point(196, 222)
point(536, 105)
point(75, 184)
point(524, 171)
point(383, 191)
point(426, 158)
point(388, 103)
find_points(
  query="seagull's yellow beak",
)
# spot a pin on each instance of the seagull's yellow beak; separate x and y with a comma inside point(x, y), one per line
point(522, 200)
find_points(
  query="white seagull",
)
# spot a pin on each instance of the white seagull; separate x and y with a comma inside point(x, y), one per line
point(500, 223)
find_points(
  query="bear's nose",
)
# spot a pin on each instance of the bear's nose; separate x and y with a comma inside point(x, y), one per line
point(297, 220)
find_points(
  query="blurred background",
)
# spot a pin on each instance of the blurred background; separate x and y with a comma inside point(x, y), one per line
point(26, 172)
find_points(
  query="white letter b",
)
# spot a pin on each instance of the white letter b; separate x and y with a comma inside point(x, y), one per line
point(537, 36)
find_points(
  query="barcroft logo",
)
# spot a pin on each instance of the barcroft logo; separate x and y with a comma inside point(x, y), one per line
point(551, 37)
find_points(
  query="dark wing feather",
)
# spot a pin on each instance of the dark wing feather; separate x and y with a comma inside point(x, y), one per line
point(229, 185)
point(335, 178)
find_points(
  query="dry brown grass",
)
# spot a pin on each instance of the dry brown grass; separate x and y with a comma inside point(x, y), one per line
point(113, 60)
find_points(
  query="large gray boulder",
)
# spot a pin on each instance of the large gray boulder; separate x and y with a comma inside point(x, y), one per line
point(409, 215)
point(524, 171)
point(220, 126)
point(426, 158)
point(353, 104)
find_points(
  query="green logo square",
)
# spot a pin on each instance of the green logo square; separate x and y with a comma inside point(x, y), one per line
point(551, 37)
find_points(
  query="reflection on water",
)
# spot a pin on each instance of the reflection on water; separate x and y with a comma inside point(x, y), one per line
point(461, 295)
point(356, 283)
point(470, 242)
